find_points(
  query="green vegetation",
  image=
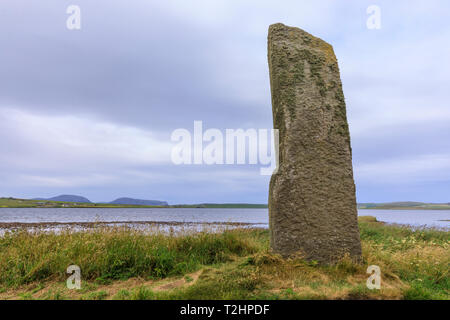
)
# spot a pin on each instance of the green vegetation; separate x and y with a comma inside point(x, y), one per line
point(120, 263)
point(110, 254)
point(25, 203)
point(406, 205)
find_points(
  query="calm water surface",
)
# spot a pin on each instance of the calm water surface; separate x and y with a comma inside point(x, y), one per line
point(258, 217)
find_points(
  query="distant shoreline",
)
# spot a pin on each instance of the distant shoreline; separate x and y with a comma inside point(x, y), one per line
point(26, 203)
point(34, 203)
point(405, 208)
point(203, 207)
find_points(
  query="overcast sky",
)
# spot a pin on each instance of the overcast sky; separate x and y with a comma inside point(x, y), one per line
point(91, 111)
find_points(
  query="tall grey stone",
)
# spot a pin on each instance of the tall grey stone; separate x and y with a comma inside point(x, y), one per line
point(312, 202)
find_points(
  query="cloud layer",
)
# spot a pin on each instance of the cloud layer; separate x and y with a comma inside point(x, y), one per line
point(91, 111)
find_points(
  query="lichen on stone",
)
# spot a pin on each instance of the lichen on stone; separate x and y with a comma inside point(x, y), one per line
point(315, 169)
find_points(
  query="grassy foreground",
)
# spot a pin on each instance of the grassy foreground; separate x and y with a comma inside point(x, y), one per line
point(233, 264)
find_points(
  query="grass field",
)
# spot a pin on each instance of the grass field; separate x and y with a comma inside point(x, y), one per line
point(233, 264)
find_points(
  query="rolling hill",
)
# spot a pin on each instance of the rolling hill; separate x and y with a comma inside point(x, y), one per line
point(67, 198)
point(139, 202)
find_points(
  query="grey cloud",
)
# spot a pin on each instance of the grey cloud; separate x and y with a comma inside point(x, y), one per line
point(158, 66)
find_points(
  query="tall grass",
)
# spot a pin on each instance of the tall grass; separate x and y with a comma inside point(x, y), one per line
point(233, 264)
point(419, 257)
point(108, 254)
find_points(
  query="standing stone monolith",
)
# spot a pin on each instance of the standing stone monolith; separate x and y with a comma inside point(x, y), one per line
point(312, 202)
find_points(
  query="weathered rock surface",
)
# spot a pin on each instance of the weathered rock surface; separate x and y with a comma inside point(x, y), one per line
point(312, 202)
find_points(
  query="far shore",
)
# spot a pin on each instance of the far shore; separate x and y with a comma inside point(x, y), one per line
point(27, 203)
point(407, 208)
